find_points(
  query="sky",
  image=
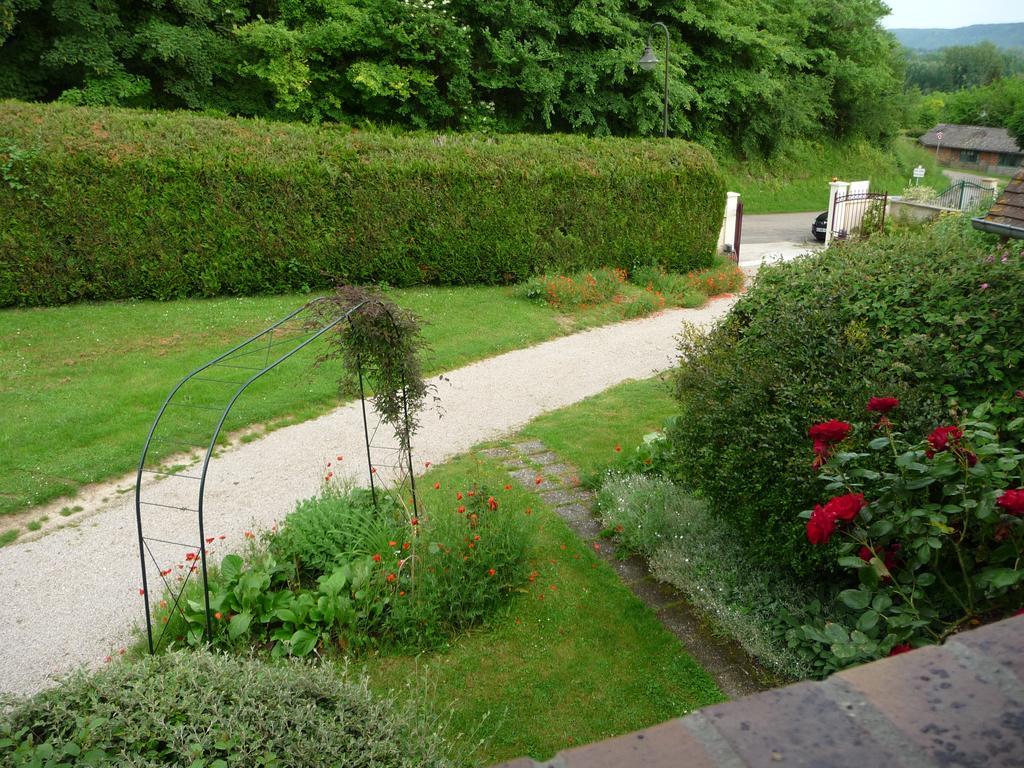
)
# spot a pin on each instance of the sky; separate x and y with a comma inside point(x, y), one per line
point(951, 13)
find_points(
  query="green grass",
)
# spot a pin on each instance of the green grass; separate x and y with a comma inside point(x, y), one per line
point(80, 384)
point(558, 667)
point(6, 537)
point(587, 433)
point(797, 180)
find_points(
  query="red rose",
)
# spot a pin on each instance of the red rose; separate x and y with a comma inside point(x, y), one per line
point(941, 437)
point(882, 404)
point(845, 507)
point(831, 431)
point(901, 648)
point(1012, 501)
point(820, 527)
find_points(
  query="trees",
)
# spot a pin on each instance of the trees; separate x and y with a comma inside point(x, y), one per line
point(746, 75)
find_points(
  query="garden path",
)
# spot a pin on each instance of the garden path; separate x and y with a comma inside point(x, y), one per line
point(71, 596)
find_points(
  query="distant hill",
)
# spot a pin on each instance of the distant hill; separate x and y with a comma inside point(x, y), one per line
point(1001, 35)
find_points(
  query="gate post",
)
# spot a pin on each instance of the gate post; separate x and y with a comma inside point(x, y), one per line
point(834, 188)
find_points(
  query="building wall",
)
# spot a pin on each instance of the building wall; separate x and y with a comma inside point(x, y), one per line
point(987, 162)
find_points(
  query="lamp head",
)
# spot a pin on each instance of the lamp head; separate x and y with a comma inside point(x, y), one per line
point(648, 61)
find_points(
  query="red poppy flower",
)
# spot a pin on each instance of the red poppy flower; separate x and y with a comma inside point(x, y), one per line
point(250, 535)
point(1012, 501)
point(492, 503)
point(471, 493)
point(437, 486)
point(341, 458)
point(142, 591)
point(218, 616)
point(210, 540)
point(392, 543)
point(415, 521)
point(508, 487)
point(477, 537)
point(165, 572)
point(405, 545)
point(491, 571)
point(376, 558)
point(618, 449)
point(391, 577)
point(222, 536)
point(426, 464)
point(529, 511)
point(458, 496)
point(190, 557)
point(882, 404)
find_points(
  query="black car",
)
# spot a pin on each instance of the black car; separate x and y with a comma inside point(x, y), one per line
point(819, 227)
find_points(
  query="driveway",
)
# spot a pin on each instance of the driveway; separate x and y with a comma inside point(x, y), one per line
point(778, 228)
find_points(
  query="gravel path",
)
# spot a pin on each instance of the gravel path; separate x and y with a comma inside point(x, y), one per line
point(70, 596)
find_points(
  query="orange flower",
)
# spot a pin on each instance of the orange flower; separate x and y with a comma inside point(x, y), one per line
point(491, 571)
point(461, 510)
point(458, 496)
point(376, 558)
point(618, 449)
point(538, 480)
point(437, 486)
point(392, 543)
point(250, 535)
point(391, 577)
point(508, 487)
point(405, 545)
point(218, 616)
point(492, 503)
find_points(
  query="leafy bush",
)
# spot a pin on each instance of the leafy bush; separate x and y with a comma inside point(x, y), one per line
point(929, 531)
point(931, 315)
point(688, 548)
point(203, 709)
point(125, 203)
point(563, 291)
point(341, 575)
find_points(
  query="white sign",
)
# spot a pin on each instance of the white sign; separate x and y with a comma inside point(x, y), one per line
point(919, 172)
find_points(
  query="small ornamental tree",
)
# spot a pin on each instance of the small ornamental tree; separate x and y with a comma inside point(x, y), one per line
point(931, 532)
point(382, 343)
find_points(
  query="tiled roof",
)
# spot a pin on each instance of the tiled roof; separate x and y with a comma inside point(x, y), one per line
point(977, 137)
point(1009, 208)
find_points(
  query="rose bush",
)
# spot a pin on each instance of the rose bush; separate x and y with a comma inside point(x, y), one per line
point(930, 531)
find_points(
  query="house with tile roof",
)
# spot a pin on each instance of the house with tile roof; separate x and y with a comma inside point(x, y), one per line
point(975, 147)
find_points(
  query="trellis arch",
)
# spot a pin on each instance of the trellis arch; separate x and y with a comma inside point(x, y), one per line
point(214, 388)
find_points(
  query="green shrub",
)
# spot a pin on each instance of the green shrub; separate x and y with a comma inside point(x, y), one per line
point(688, 548)
point(931, 315)
point(203, 709)
point(123, 203)
point(929, 532)
point(343, 576)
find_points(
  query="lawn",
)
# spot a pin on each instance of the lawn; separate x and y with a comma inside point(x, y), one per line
point(588, 432)
point(797, 180)
point(80, 384)
point(574, 658)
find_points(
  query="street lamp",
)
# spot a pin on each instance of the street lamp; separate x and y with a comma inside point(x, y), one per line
point(649, 61)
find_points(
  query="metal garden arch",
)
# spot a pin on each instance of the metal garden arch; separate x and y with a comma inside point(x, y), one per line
point(241, 360)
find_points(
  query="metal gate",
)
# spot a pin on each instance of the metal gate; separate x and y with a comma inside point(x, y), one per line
point(965, 195)
point(857, 214)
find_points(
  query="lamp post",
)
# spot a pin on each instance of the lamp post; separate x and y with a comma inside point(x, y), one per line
point(649, 61)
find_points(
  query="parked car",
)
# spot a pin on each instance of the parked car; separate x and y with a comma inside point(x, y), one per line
point(819, 226)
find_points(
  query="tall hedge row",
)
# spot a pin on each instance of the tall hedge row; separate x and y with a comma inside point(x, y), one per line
point(109, 204)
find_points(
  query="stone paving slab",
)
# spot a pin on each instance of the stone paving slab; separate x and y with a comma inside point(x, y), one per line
point(545, 457)
point(530, 447)
point(497, 453)
point(560, 497)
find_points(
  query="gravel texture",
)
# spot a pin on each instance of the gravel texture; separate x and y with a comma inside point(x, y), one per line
point(71, 597)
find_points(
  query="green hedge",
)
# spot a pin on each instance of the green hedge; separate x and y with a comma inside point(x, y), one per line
point(932, 315)
point(109, 204)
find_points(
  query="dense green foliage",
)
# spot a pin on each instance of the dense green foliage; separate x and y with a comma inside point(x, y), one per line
point(961, 66)
point(347, 574)
point(748, 74)
point(203, 709)
point(930, 539)
point(180, 205)
point(929, 315)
